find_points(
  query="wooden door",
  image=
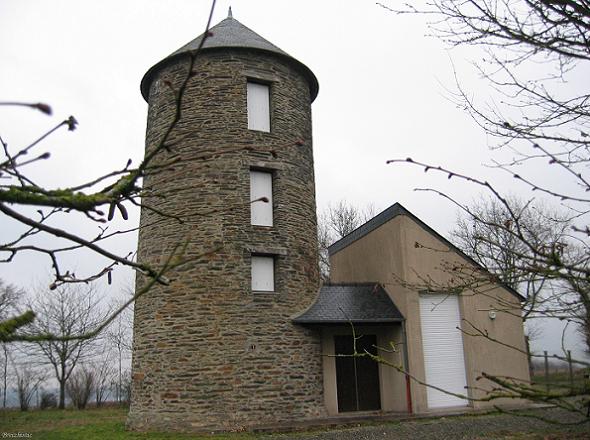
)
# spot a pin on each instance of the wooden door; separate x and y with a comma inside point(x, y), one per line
point(357, 378)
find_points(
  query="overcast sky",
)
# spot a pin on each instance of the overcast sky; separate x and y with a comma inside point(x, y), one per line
point(383, 95)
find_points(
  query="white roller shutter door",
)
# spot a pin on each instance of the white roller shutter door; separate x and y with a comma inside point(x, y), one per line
point(442, 343)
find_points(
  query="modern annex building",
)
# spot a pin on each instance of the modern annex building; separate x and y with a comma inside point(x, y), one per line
point(245, 336)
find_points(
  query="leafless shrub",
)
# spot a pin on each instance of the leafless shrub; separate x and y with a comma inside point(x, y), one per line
point(48, 400)
point(104, 372)
point(79, 387)
point(27, 383)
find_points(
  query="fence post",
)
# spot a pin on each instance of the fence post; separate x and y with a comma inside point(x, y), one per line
point(546, 370)
point(528, 355)
point(571, 370)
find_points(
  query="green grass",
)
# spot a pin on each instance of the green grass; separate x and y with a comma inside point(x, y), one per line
point(90, 424)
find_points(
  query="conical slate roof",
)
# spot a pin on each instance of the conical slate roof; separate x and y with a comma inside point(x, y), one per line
point(230, 33)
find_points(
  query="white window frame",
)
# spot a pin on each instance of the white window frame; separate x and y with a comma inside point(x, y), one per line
point(258, 97)
point(261, 213)
point(263, 273)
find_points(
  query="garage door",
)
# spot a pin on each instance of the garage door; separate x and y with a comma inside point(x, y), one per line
point(443, 349)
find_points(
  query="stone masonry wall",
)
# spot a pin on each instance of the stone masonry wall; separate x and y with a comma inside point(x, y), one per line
point(208, 352)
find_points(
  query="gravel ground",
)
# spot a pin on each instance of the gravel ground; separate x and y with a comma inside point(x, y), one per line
point(490, 426)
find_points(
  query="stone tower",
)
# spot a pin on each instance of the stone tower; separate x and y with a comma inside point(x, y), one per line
point(217, 349)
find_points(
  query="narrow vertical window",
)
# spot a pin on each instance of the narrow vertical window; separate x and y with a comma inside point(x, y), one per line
point(260, 187)
point(263, 273)
point(258, 106)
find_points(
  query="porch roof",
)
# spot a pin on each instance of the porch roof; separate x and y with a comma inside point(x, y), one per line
point(358, 303)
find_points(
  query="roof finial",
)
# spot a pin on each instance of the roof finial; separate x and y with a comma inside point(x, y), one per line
point(229, 14)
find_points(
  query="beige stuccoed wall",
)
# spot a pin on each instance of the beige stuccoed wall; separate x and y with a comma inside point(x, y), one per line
point(402, 250)
point(485, 355)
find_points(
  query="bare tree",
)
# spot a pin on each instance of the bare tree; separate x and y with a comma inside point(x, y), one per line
point(502, 254)
point(487, 238)
point(103, 372)
point(9, 296)
point(126, 388)
point(324, 241)
point(343, 218)
point(532, 49)
point(577, 303)
point(65, 312)
point(336, 222)
point(5, 357)
point(119, 336)
point(97, 200)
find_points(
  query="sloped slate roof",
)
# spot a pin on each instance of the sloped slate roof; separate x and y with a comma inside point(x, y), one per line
point(363, 303)
point(380, 219)
point(230, 33)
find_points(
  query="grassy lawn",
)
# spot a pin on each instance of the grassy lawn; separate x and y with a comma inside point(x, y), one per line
point(90, 424)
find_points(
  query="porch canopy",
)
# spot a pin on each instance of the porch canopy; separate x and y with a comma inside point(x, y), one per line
point(356, 303)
